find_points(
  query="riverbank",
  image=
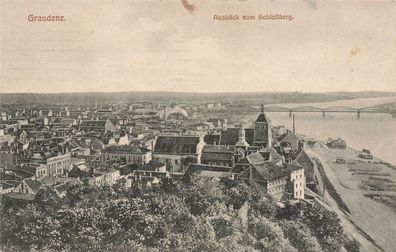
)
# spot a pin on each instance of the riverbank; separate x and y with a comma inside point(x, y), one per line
point(367, 188)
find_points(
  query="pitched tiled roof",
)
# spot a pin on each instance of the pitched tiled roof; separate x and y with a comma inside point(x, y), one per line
point(20, 196)
point(265, 155)
point(241, 166)
point(262, 118)
point(249, 135)
point(176, 145)
point(114, 121)
point(270, 170)
point(218, 148)
point(230, 136)
point(35, 185)
point(79, 143)
point(216, 156)
point(97, 144)
point(255, 158)
point(212, 139)
point(289, 136)
point(7, 185)
point(125, 148)
point(265, 171)
point(153, 165)
point(93, 123)
point(67, 121)
point(214, 120)
point(274, 153)
point(217, 152)
point(294, 166)
point(203, 167)
point(303, 156)
point(62, 188)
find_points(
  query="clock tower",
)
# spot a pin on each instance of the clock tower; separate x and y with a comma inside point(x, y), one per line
point(262, 130)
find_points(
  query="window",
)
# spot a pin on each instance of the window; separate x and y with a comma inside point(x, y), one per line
point(300, 184)
point(300, 175)
point(296, 185)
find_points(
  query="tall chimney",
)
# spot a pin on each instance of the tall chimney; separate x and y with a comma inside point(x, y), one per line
point(294, 124)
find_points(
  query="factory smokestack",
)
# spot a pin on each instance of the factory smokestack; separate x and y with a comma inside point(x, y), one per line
point(294, 124)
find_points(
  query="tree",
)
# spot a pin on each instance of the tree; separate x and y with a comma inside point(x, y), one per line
point(47, 200)
point(268, 236)
point(34, 230)
point(325, 225)
point(236, 193)
point(74, 194)
point(178, 215)
point(223, 226)
point(300, 236)
point(290, 211)
point(80, 227)
point(170, 186)
point(198, 203)
point(201, 194)
point(262, 206)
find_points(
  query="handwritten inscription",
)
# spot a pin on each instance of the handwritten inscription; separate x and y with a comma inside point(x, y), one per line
point(264, 17)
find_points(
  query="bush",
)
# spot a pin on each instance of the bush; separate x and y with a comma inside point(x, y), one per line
point(352, 245)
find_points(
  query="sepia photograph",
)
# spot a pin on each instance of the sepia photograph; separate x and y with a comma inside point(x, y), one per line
point(198, 125)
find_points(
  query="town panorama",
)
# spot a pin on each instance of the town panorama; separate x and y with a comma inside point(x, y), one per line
point(157, 175)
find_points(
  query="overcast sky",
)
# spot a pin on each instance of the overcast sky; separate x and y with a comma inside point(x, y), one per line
point(158, 45)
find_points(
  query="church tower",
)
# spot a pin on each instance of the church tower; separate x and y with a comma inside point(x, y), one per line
point(262, 130)
point(241, 138)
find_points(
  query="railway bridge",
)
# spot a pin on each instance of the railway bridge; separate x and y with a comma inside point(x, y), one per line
point(333, 109)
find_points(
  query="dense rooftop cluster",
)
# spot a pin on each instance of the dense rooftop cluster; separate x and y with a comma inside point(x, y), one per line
point(141, 161)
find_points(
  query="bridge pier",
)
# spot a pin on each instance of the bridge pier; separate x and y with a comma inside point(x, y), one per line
point(290, 113)
point(358, 114)
point(324, 114)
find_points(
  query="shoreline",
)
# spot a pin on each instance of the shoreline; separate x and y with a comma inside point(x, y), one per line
point(375, 158)
point(370, 227)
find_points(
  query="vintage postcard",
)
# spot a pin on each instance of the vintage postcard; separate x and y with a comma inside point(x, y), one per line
point(197, 125)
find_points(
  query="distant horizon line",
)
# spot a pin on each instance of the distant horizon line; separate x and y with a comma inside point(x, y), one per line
point(206, 93)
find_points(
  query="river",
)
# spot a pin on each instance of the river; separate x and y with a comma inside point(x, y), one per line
point(376, 132)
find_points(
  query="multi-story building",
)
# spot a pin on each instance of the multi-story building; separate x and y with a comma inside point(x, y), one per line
point(174, 150)
point(267, 174)
point(28, 186)
point(132, 154)
point(102, 126)
point(57, 166)
point(221, 155)
point(102, 177)
point(297, 179)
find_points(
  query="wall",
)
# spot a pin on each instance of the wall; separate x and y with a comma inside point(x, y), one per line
point(298, 178)
point(276, 187)
point(58, 165)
